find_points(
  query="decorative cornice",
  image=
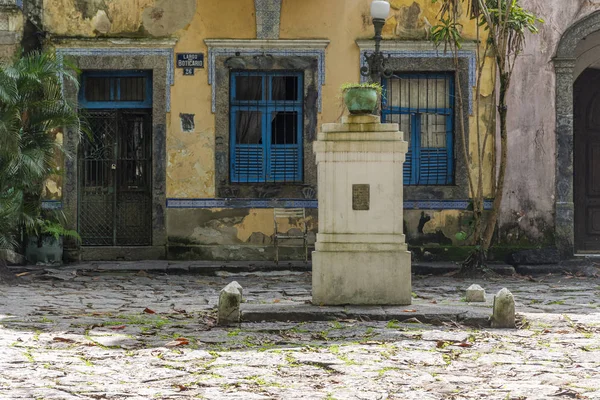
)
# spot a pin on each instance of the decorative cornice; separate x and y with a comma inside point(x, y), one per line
point(415, 45)
point(69, 42)
point(270, 44)
point(251, 47)
point(564, 65)
point(422, 49)
point(118, 51)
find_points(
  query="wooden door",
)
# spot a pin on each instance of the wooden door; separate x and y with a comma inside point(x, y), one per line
point(586, 161)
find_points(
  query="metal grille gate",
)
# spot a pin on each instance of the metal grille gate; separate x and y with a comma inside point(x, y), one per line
point(423, 106)
point(115, 189)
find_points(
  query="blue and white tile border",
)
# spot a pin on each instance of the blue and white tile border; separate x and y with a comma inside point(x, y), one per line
point(293, 203)
point(51, 205)
point(268, 17)
point(422, 49)
point(253, 47)
point(289, 203)
point(241, 203)
point(168, 53)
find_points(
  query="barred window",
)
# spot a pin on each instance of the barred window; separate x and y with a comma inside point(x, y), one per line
point(423, 105)
point(266, 122)
point(116, 89)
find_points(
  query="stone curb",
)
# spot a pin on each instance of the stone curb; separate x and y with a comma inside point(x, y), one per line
point(435, 315)
point(211, 268)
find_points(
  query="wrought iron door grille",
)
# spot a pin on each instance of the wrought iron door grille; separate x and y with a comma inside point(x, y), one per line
point(115, 179)
point(423, 106)
point(266, 124)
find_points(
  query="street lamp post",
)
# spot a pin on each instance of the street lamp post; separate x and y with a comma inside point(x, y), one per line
point(376, 62)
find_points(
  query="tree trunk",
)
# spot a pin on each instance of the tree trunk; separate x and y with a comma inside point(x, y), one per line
point(475, 264)
point(502, 113)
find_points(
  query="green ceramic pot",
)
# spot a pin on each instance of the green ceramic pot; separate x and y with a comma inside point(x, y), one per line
point(360, 100)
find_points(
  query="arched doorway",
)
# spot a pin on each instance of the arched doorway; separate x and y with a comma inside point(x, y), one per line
point(586, 161)
point(577, 68)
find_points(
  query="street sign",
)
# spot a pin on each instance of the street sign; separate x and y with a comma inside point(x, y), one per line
point(190, 60)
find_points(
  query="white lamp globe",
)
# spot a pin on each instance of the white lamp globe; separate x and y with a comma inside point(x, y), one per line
point(380, 9)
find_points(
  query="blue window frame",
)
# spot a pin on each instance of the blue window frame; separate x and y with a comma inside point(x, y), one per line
point(266, 126)
point(116, 89)
point(423, 105)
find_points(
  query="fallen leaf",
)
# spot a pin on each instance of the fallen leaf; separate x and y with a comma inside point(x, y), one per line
point(463, 344)
point(64, 340)
point(409, 310)
point(149, 311)
point(276, 301)
point(117, 328)
point(181, 388)
point(433, 302)
point(178, 342)
point(23, 274)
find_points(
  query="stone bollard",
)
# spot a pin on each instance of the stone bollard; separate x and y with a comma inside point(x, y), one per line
point(475, 294)
point(238, 287)
point(504, 310)
point(229, 304)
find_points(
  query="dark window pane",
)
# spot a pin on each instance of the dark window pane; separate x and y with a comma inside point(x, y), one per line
point(248, 87)
point(248, 127)
point(285, 88)
point(133, 88)
point(97, 89)
point(284, 127)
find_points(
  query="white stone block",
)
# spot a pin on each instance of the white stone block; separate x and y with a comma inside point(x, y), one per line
point(235, 284)
point(361, 255)
point(504, 310)
point(361, 278)
point(475, 294)
point(229, 304)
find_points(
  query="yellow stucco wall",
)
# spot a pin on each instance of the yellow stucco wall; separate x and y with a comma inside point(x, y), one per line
point(191, 166)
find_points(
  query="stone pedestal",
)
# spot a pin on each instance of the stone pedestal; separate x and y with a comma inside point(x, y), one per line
point(361, 255)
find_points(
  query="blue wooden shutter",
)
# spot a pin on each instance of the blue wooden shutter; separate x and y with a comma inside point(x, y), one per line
point(274, 159)
point(433, 169)
point(285, 159)
point(247, 160)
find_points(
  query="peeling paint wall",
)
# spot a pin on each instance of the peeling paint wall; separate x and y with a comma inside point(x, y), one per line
point(11, 31)
point(92, 18)
point(191, 148)
point(528, 210)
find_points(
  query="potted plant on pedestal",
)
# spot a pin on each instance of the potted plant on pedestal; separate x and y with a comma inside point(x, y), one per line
point(361, 98)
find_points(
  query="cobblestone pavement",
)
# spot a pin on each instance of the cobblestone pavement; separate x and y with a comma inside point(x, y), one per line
point(153, 336)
